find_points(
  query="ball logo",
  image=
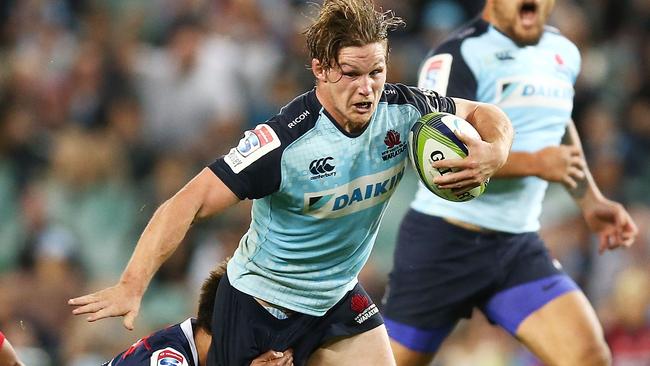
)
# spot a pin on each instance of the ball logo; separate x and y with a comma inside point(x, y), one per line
point(359, 302)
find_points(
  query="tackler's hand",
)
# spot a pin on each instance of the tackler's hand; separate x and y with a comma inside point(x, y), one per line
point(118, 300)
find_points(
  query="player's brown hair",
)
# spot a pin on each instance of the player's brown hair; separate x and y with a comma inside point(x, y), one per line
point(208, 294)
point(347, 23)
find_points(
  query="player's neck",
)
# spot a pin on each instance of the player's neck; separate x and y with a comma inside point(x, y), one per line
point(336, 117)
point(202, 341)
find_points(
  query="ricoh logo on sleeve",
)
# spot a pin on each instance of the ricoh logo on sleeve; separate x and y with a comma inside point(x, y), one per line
point(298, 119)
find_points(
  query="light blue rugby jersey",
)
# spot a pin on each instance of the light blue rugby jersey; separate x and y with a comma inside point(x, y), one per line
point(533, 85)
point(319, 194)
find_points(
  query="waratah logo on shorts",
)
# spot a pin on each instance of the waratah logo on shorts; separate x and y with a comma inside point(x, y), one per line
point(361, 304)
point(394, 145)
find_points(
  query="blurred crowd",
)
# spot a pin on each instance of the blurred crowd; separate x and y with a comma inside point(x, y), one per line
point(108, 107)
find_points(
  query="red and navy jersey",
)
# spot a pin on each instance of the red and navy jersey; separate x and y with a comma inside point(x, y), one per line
point(172, 346)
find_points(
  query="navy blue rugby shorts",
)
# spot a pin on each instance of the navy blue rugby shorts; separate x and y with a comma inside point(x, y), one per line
point(442, 272)
point(242, 329)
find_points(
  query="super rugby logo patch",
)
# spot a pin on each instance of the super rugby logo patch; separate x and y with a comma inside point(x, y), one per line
point(255, 144)
point(167, 357)
point(434, 73)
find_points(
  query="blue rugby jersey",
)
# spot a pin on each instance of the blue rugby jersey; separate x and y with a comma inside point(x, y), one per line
point(533, 85)
point(172, 346)
point(319, 193)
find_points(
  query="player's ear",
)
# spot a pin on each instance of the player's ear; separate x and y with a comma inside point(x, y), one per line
point(319, 72)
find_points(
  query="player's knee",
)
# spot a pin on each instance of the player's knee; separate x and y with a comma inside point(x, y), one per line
point(595, 354)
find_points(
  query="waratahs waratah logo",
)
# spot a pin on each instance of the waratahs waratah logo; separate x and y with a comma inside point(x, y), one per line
point(394, 145)
point(392, 139)
point(359, 302)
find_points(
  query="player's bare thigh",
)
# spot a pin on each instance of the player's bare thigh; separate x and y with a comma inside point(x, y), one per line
point(370, 348)
point(565, 331)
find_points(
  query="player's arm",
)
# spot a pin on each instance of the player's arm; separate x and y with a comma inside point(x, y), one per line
point(609, 219)
point(203, 196)
point(486, 155)
point(564, 163)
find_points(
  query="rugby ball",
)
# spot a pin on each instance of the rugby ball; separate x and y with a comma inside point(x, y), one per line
point(433, 138)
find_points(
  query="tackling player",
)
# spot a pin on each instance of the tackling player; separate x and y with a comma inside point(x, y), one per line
point(188, 343)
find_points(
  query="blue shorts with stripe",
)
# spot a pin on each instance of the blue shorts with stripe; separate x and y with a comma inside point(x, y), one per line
point(442, 272)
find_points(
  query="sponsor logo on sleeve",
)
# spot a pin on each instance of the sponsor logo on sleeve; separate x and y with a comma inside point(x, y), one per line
point(255, 144)
point(167, 357)
point(301, 117)
point(435, 72)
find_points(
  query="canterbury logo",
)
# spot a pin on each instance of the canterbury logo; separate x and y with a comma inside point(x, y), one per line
point(321, 166)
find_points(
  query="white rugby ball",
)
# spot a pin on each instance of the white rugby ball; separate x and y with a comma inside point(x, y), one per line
point(433, 138)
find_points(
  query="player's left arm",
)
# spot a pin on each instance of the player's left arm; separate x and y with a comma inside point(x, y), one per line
point(486, 155)
point(608, 218)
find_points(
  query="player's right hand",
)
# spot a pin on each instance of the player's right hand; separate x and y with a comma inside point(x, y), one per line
point(274, 358)
point(563, 164)
point(118, 300)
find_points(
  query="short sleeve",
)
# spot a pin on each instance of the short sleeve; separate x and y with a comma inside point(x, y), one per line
point(252, 168)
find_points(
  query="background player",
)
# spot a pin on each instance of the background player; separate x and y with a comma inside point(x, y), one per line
point(320, 175)
point(486, 252)
point(187, 343)
point(8, 356)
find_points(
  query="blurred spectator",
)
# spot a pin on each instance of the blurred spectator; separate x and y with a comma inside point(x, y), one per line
point(628, 331)
point(189, 90)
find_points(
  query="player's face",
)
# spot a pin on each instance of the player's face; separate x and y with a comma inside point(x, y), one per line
point(351, 90)
point(521, 20)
